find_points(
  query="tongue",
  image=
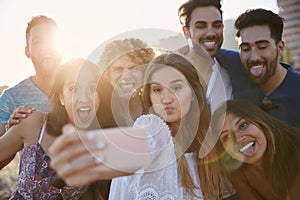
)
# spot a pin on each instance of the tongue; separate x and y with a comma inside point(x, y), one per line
point(256, 71)
point(249, 151)
point(83, 114)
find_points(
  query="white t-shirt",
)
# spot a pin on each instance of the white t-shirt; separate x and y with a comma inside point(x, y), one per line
point(219, 87)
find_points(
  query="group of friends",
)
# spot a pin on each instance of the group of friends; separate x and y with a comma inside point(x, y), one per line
point(199, 122)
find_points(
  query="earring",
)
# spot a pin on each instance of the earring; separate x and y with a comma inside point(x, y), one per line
point(62, 102)
point(193, 98)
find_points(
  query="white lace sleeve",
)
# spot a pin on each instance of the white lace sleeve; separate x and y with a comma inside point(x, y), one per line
point(157, 130)
point(160, 179)
point(160, 141)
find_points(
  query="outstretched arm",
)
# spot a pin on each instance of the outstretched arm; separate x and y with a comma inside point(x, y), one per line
point(81, 157)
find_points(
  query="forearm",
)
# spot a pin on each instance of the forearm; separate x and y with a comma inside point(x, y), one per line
point(6, 162)
point(2, 129)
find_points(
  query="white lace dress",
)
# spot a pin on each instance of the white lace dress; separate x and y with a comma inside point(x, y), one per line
point(161, 179)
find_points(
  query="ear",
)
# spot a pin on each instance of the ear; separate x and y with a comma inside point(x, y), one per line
point(27, 53)
point(61, 99)
point(280, 47)
point(186, 32)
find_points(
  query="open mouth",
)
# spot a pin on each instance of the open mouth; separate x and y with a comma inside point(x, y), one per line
point(210, 44)
point(257, 70)
point(127, 86)
point(248, 149)
point(84, 113)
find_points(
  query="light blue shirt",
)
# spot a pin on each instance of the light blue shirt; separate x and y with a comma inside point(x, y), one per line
point(24, 93)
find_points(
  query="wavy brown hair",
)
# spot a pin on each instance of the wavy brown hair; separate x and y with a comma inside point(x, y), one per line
point(282, 156)
point(194, 126)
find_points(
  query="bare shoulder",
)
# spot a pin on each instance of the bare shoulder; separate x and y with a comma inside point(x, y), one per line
point(35, 117)
point(30, 124)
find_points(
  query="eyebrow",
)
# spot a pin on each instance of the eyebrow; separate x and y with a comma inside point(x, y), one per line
point(238, 121)
point(175, 81)
point(201, 21)
point(257, 42)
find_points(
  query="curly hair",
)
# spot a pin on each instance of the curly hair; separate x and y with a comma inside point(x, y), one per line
point(136, 49)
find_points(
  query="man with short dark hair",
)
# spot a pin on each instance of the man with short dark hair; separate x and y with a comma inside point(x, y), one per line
point(260, 40)
point(202, 22)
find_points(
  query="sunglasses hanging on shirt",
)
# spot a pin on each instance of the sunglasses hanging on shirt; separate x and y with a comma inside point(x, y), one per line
point(267, 105)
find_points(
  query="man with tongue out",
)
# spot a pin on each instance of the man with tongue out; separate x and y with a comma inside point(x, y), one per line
point(277, 86)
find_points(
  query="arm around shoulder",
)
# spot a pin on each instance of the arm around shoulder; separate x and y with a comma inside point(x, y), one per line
point(19, 135)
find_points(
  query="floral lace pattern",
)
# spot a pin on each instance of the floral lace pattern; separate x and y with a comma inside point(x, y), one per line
point(35, 174)
point(156, 183)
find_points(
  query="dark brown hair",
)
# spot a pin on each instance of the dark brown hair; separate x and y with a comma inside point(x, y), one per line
point(185, 10)
point(58, 116)
point(254, 17)
point(282, 156)
point(197, 119)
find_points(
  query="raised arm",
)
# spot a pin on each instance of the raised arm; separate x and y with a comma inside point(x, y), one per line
point(81, 157)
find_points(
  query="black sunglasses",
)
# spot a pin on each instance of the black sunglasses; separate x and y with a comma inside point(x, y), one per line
point(267, 105)
point(58, 183)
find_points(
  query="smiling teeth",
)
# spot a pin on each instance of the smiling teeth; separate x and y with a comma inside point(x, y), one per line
point(246, 146)
point(209, 43)
point(257, 66)
point(84, 109)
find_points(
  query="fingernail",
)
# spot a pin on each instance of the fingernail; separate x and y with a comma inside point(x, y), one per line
point(68, 129)
point(99, 159)
point(90, 135)
point(101, 144)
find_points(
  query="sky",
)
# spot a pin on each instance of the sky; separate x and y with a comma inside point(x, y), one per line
point(85, 26)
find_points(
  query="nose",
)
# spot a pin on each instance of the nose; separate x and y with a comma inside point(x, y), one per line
point(240, 138)
point(84, 94)
point(127, 75)
point(83, 99)
point(167, 97)
point(210, 31)
point(254, 56)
